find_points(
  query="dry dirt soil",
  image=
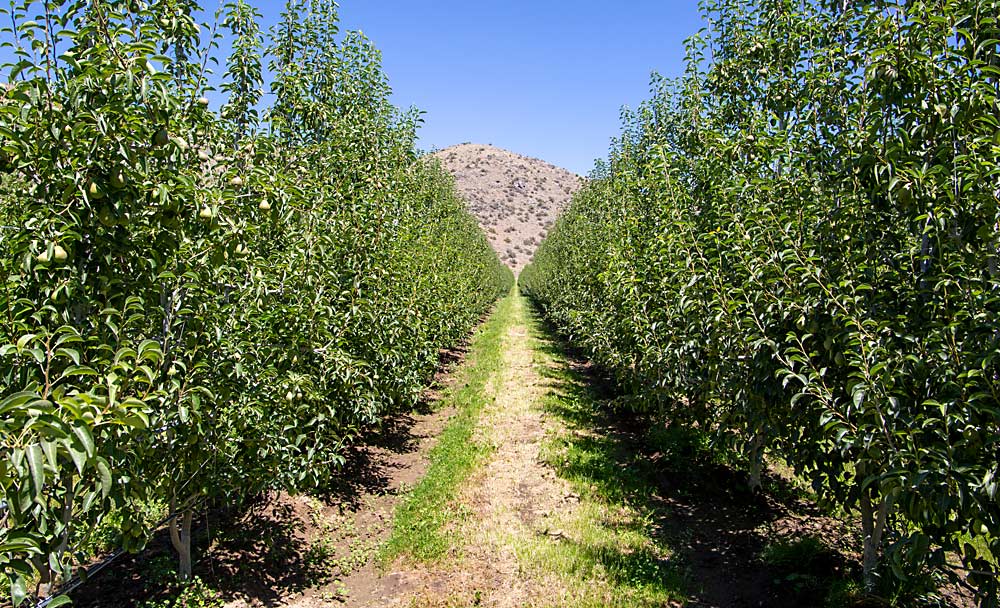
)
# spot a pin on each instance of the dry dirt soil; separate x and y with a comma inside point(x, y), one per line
point(515, 198)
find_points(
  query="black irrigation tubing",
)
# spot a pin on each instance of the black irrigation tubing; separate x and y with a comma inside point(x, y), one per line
point(101, 565)
point(78, 580)
point(959, 568)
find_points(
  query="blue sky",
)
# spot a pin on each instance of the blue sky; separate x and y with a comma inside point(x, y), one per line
point(540, 78)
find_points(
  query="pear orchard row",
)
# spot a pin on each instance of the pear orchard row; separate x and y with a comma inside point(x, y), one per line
point(198, 305)
point(795, 248)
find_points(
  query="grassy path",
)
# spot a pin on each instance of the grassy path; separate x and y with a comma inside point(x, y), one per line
point(529, 514)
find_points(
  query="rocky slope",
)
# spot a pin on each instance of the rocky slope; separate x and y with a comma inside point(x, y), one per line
point(515, 198)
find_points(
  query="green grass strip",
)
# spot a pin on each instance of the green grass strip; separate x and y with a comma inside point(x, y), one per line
point(422, 517)
point(617, 556)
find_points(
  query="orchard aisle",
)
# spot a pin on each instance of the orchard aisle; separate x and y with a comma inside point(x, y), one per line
point(540, 494)
point(508, 493)
point(519, 534)
point(526, 489)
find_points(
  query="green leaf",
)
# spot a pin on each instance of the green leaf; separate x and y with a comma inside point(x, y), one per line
point(137, 420)
point(77, 370)
point(36, 465)
point(105, 474)
point(72, 353)
point(18, 590)
point(51, 455)
point(78, 455)
point(19, 542)
point(86, 438)
point(16, 400)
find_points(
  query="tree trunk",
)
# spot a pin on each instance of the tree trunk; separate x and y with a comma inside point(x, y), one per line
point(756, 461)
point(44, 584)
point(180, 537)
point(47, 578)
point(873, 528)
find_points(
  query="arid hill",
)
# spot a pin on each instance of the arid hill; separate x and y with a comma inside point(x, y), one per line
point(515, 198)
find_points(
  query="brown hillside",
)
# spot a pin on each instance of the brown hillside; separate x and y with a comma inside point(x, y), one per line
point(515, 198)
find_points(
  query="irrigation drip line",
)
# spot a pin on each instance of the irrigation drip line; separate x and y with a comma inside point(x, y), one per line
point(78, 580)
point(959, 568)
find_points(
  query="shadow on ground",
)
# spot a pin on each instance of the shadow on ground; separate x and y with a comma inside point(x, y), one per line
point(722, 536)
point(262, 552)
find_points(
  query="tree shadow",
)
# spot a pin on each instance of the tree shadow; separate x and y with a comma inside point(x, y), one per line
point(260, 550)
point(702, 510)
point(263, 555)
